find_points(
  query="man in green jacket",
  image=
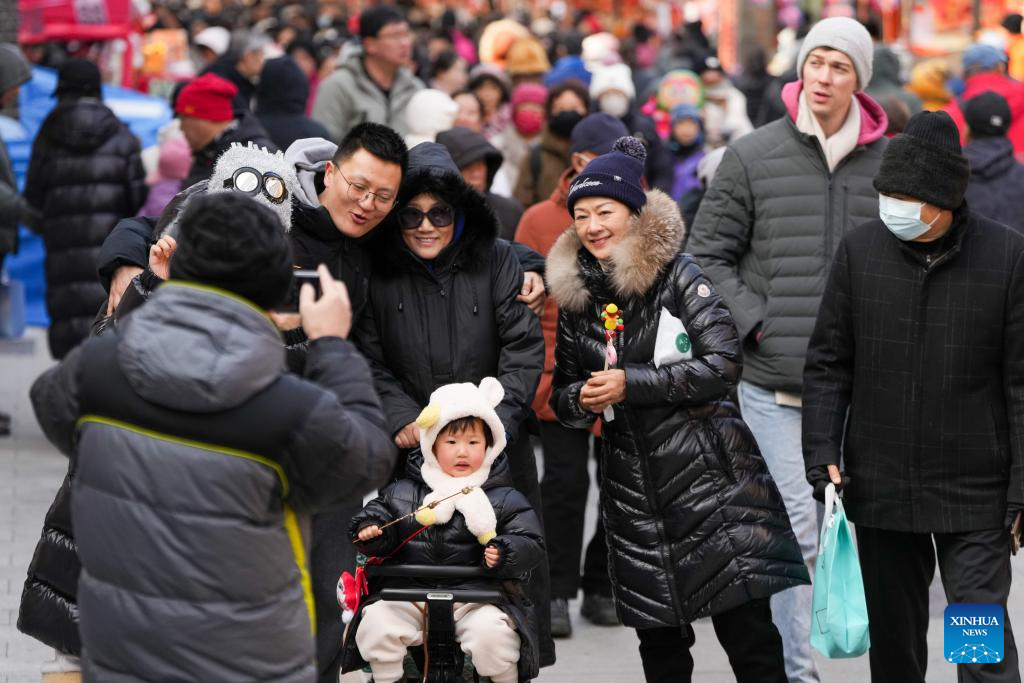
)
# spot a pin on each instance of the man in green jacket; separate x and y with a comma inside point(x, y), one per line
point(766, 231)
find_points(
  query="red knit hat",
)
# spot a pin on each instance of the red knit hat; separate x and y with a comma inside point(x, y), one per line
point(207, 97)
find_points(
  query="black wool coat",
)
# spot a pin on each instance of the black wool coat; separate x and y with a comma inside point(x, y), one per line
point(455, 320)
point(915, 375)
point(695, 523)
point(85, 174)
point(520, 539)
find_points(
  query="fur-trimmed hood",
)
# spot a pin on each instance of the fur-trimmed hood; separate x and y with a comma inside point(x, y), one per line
point(652, 241)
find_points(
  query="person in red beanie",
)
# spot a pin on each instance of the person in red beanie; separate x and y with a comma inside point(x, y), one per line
point(210, 124)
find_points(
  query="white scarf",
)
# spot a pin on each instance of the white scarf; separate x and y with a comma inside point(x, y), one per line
point(842, 142)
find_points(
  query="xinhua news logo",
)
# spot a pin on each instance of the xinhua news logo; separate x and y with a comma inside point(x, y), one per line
point(974, 633)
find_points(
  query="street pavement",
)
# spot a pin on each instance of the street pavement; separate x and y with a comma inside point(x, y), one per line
point(31, 471)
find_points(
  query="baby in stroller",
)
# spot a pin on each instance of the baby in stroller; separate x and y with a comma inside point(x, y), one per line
point(456, 507)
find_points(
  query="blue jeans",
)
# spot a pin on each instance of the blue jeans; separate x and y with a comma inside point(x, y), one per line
point(777, 430)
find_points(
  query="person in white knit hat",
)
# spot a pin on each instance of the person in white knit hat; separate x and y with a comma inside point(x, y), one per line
point(456, 507)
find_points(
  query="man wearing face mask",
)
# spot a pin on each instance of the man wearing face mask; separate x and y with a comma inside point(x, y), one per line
point(915, 379)
point(613, 92)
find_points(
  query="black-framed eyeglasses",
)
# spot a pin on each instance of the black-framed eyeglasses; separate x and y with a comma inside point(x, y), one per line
point(440, 216)
point(357, 192)
point(250, 181)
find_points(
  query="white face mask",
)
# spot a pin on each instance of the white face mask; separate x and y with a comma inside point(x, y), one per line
point(614, 104)
point(903, 218)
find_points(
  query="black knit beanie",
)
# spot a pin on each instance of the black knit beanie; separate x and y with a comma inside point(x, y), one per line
point(231, 241)
point(616, 175)
point(925, 162)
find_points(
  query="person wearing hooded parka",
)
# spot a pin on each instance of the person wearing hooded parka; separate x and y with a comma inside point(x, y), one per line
point(695, 524)
point(443, 309)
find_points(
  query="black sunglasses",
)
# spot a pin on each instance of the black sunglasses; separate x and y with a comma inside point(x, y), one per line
point(440, 216)
point(249, 181)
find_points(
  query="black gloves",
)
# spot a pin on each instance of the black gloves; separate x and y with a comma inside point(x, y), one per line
point(819, 479)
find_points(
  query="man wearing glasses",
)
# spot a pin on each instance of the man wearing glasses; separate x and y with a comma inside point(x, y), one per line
point(374, 83)
point(344, 192)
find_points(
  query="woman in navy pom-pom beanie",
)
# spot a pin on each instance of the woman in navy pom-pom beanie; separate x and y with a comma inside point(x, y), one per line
point(696, 526)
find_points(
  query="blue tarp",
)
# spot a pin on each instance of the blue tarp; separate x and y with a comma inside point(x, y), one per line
point(144, 114)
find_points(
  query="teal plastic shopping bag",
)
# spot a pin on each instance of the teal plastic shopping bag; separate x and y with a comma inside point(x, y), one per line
point(839, 617)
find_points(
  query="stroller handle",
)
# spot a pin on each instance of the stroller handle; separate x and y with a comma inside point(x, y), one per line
point(434, 594)
point(428, 571)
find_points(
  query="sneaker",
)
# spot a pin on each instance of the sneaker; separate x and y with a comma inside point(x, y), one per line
point(598, 609)
point(561, 626)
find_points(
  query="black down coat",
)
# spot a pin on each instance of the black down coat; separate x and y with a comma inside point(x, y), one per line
point(694, 521)
point(520, 539)
point(85, 174)
point(453, 320)
point(49, 608)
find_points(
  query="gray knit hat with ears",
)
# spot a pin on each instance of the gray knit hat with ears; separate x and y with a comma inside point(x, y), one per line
point(846, 35)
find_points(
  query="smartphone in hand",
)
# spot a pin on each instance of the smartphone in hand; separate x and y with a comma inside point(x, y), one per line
point(299, 278)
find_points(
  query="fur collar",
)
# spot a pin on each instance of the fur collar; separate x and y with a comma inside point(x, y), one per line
point(652, 242)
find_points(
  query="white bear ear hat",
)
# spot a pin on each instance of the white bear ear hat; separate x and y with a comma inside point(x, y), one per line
point(447, 404)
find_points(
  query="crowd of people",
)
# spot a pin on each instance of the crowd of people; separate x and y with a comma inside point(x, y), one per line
point(730, 290)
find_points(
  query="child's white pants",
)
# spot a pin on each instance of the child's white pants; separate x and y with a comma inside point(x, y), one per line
point(485, 633)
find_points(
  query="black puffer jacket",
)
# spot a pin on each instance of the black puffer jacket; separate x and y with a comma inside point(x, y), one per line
point(455, 320)
point(520, 539)
point(85, 174)
point(695, 523)
point(49, 608)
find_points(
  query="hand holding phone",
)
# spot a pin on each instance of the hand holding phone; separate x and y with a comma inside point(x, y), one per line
point(299, 278)
point(327, 313)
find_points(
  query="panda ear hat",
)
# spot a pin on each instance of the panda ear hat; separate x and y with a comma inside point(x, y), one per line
point(447, 404)
point(452, 402)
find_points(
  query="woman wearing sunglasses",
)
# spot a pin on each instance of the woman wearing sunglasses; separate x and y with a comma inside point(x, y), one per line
point(443, 309)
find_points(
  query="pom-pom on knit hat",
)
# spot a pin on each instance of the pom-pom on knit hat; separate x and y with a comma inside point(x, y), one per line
point(447, 404)
point(925, 162)
point(616, 175)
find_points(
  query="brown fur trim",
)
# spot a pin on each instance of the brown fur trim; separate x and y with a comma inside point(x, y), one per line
point(651, 243)
point(562, 273)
